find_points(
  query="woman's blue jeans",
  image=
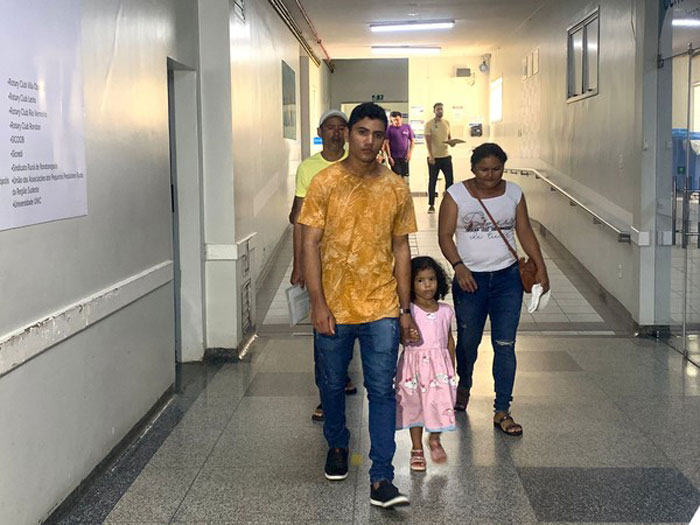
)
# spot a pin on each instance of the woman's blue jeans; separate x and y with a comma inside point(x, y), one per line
point(379, 346)
point(499, 296)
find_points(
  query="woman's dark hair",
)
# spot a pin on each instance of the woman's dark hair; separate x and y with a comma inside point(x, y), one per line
point(368, 110)
point(419, 264)
point(488, 149)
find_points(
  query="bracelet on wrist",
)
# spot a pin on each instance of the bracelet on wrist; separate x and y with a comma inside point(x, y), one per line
point(456, 263)
point(404, 311)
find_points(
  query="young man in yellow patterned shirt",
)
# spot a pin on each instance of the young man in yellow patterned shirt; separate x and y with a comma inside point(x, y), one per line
point(356, 218)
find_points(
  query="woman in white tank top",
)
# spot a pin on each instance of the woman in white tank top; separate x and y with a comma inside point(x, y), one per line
point(487, 279)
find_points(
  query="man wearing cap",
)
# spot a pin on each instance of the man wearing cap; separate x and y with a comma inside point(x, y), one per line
point(399, 144)
point(331, 129)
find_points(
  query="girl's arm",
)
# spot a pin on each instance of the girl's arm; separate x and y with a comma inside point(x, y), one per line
point(529, 242)
point(451, 347)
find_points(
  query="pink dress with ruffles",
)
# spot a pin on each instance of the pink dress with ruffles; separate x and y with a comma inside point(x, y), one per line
point(426, 387)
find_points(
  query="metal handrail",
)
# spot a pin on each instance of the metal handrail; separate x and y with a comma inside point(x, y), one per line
point(622, 235)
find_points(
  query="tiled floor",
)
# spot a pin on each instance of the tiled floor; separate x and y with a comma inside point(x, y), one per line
point(611, 426)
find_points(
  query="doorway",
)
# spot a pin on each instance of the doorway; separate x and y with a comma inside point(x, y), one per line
point(679, 170)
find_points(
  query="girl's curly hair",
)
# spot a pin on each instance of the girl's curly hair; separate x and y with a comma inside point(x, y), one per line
point(423, 263)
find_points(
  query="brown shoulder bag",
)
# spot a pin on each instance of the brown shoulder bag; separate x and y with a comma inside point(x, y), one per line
point(527, 267)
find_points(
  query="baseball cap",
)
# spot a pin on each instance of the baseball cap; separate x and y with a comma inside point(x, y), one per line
point(332, 113)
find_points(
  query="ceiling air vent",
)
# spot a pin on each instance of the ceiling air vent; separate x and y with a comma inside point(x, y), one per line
point(463, 72)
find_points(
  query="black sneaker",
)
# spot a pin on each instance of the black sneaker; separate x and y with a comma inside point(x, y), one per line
point(336, 464)
point(431, 209)
point(386, 495)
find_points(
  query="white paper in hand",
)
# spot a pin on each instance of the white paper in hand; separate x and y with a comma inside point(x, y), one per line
point(538, 300)
point(298, 304)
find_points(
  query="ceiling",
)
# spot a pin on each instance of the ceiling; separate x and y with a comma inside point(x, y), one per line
point(343, 26)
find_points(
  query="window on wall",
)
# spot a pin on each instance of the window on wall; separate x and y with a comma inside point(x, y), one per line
point(496, 100)
point(583, 53)
point(289, 102)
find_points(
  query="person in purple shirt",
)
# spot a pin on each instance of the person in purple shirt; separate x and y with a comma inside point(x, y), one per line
point(399, 144)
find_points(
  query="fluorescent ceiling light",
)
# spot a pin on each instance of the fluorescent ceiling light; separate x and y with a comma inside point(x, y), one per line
point(686, 22)
point(406, 50)
point(411, 26)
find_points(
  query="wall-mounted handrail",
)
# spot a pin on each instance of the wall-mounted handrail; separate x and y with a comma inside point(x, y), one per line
point(623, 236)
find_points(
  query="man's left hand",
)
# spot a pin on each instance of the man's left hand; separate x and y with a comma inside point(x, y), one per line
point(409, 330)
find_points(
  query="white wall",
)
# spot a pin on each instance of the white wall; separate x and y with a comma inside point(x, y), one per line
point(433, 80)
point(95, 293)
point(248, 167)
point(63, 411)
point(357, 80)
point(264, 161)
point(593, 145)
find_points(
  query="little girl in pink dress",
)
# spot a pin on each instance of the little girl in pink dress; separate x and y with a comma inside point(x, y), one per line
point(425, 380)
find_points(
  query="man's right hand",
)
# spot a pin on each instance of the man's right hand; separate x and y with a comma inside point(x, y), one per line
point(465, 279)
point(431, 160)
point(322, 319)
point(391, 161)
point(297, 277)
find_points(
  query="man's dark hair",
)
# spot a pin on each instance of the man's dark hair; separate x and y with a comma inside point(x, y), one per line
point(437, 104)
point(396, 114)
point(368, 110)
point(424, 263)
point(488, 149)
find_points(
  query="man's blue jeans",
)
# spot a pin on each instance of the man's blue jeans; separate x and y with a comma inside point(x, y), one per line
point(499, 295)
point(379, 346)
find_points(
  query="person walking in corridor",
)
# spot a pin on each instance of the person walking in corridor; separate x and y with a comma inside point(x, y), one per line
point(399, 145)
point(331, 130)
point(357, 265)
point(484, 213)
point(425, 382)
point(437, 133)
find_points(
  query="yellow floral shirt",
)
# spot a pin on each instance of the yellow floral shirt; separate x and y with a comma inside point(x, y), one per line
point(358, 217)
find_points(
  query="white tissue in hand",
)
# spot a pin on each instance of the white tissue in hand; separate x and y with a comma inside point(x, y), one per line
point(538, 301)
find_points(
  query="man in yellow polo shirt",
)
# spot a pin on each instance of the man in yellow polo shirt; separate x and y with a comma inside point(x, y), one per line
point(437, 132)
point(331, 129)
point(357, 265)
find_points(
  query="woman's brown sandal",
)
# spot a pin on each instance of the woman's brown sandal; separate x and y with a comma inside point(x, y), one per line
point(462, 399)
point(504, 422)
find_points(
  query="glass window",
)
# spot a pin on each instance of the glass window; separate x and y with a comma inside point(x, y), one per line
point(592, 55)
point(496, 100)
point(583, 57)
point(576, 63)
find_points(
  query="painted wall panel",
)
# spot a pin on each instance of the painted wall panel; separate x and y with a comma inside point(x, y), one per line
point(264, 161)
point(465, 100)
point(357, 80)
point(593, 144)
point(63, 411)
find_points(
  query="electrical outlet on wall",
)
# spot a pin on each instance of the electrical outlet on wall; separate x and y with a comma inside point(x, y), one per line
point(621, 162)
point(619, 271)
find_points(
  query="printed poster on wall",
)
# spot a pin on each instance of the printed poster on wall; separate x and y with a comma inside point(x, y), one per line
point(42, 175)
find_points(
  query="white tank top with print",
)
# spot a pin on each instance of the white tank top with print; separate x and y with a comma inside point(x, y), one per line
point(478, 242)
